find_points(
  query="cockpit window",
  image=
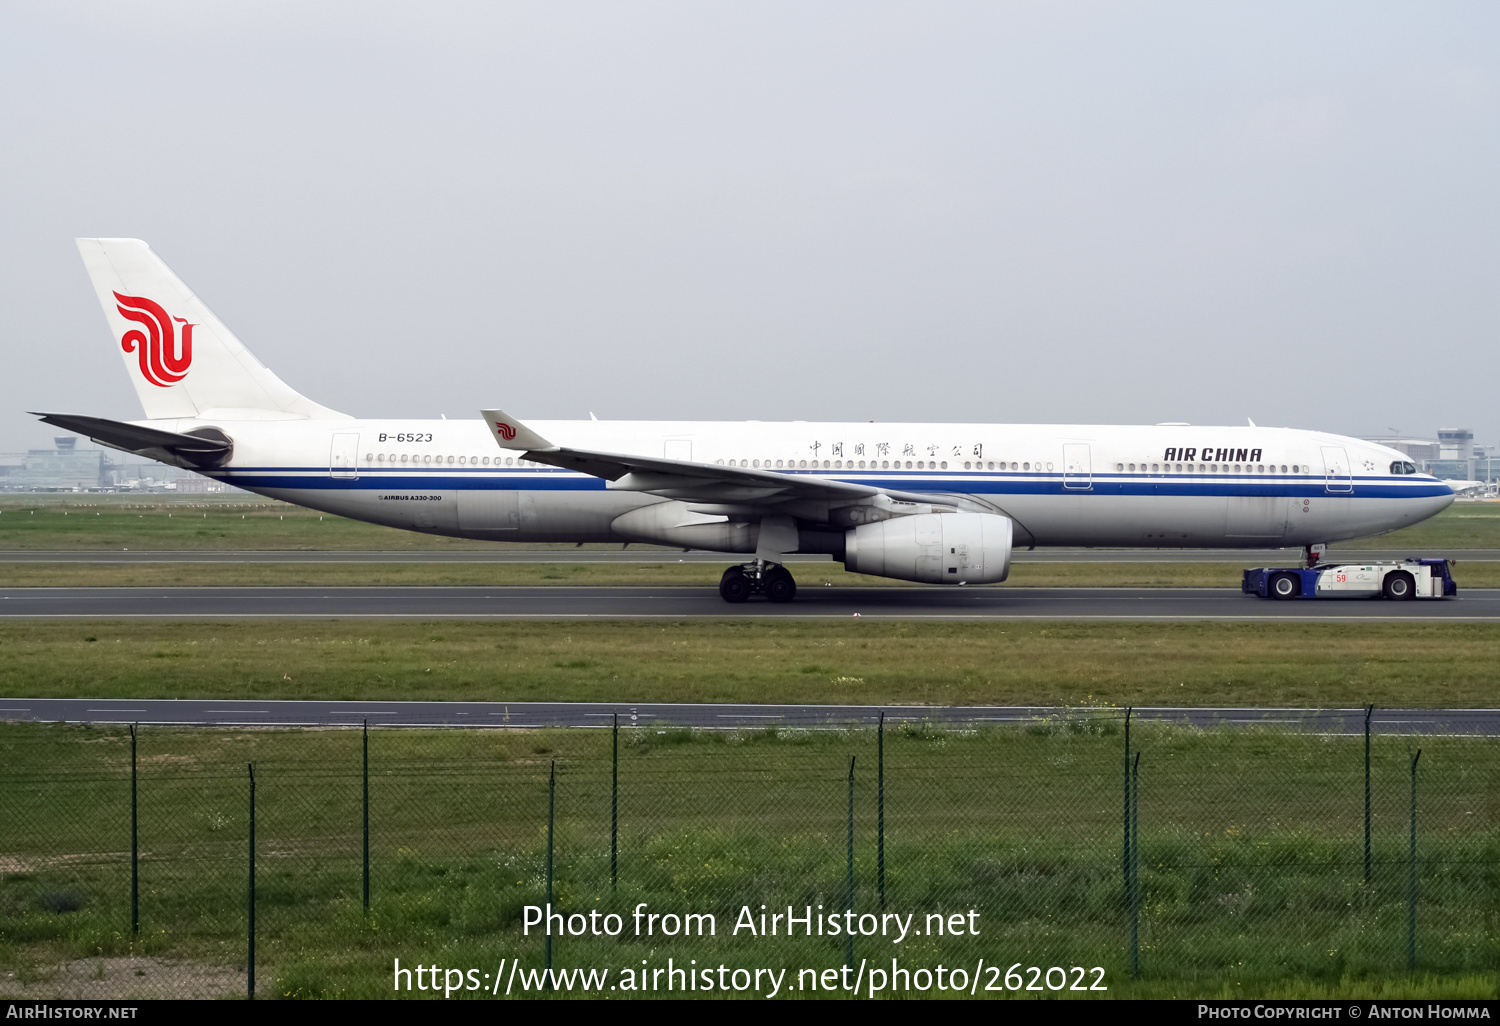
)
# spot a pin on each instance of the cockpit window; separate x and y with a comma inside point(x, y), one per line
point(1403, 467)
point(1409, 468)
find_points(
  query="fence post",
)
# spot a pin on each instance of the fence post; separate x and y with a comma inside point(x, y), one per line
point(135, 878)
point(1411, 887)
point(849, 877)
point(1135, 868)
point(614, 809)
point(1369, 709)
point(551, 802)
point(250, 954)
point(366, 740)
point(1125, 844)
point(880, 809)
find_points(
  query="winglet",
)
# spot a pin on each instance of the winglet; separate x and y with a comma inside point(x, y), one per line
point(510, 433)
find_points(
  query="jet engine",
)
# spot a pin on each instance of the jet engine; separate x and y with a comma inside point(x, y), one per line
point(932, 548)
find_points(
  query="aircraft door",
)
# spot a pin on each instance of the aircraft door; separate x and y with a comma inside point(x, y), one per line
point(343, 456)
point(1077, 467)
point(1337, 477)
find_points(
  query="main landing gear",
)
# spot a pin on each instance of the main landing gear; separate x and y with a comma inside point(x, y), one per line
point(772, 580)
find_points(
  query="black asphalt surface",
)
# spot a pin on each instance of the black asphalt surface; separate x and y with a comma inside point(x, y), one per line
point(562, 603)
point(220, 711)
point(1244, 557)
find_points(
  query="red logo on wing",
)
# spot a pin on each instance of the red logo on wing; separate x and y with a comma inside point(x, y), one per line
point(506, 431)
point(164, 358)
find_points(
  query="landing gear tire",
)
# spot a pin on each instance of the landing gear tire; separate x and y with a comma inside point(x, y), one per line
point(1399, 586)
point(1285, 586)
point(734, 586)
point(779, 585)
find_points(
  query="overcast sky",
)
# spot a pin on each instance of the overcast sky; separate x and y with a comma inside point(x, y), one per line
point(1054, 212)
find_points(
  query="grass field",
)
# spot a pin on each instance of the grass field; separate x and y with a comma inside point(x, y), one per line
point(1280, 664)
point(1250, 853)
point(249, 522)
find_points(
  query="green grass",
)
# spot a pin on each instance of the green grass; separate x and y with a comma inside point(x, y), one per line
point(1250, 664)
point(1250, 852)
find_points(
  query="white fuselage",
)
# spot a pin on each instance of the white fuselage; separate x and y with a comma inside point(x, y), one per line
point(1162, 486)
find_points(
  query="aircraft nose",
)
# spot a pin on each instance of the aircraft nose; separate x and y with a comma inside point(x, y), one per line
point(1444, 500)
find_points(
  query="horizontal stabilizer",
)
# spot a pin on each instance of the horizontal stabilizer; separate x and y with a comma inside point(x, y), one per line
point(207, 447)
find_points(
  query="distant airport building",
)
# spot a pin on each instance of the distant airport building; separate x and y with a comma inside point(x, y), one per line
point(66, 468)
point(1452, 456)
point(1421, 450)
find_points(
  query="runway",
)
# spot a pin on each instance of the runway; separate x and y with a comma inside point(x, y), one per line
point(532, 715)
point(1243, 557)
point(665, 602)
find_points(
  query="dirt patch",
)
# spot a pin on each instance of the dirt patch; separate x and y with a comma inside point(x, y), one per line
point(36, 863)
point(123, 978)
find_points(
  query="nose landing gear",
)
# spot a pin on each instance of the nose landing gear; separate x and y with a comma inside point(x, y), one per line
point(772, 580)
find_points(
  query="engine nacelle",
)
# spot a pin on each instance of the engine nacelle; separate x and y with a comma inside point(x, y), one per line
point(932, 548)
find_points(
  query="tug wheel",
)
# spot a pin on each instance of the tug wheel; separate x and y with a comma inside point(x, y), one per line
point(1399, 586)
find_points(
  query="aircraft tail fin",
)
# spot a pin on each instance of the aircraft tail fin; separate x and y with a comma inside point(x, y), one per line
point(182, 360)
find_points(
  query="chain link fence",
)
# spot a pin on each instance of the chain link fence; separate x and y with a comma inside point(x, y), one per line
point(1055, 852)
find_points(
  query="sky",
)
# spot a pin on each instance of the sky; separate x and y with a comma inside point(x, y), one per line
point(1043, 212)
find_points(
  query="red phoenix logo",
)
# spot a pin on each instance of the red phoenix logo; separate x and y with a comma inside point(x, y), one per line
point(164, 359)
point(506, 431)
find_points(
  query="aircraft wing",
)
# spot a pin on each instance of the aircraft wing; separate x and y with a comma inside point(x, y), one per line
point(682, 479)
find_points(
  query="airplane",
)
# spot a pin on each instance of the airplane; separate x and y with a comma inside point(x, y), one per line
point(932, 503)
point(1463, 487)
